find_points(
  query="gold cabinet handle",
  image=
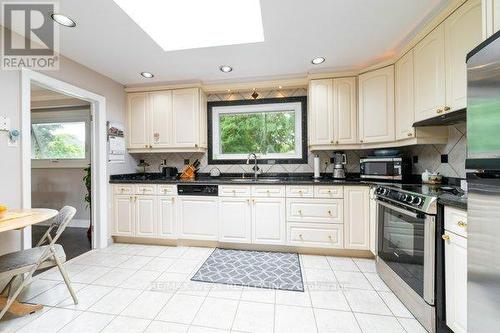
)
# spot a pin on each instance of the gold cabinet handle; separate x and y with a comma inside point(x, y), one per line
point(253, 200)
point(331, 141)
point(445, 237)
point(447, 108)
point(300, 211)
point(173, 199)
point(336, 142)
point(135, 198)
point(462, 224)
point(439, 111)
point(122, 189)
point(130, 198)
point(300, 236)
point(248, 200)
point(361, 141)
point(330, 237)
point(145, 146)
point(300, 192)
point(329, 212)
point(196, 145)
point(410, 134)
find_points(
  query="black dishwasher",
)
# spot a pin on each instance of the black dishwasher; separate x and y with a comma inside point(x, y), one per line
point(198, 189)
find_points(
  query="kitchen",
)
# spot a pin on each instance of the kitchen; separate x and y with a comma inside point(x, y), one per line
point(340, 188)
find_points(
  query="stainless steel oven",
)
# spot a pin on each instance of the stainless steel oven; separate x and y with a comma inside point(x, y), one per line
point(406, 249)
point(391, 168)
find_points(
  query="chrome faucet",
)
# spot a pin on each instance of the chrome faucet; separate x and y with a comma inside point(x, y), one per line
point(255, 167)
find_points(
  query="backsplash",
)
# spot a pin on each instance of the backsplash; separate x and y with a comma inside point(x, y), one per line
point(429, 156)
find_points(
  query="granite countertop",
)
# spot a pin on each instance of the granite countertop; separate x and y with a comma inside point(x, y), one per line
point(452, 200)
point(157, 178)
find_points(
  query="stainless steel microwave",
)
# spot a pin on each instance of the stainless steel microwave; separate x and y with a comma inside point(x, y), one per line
point(388, 168)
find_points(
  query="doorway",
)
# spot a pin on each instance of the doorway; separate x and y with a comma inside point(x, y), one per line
point(88, 105)
point(61, 167)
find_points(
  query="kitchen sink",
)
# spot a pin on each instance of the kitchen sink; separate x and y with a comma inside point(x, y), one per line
point(258, 180)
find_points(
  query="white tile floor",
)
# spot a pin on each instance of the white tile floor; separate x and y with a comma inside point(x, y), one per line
point(137, 288)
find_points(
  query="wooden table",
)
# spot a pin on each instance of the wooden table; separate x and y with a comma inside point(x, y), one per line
point(33, 216)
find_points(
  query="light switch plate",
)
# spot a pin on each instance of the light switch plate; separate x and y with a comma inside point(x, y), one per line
point(4, 123)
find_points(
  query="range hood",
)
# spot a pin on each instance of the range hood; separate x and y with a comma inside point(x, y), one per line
point(451, 118)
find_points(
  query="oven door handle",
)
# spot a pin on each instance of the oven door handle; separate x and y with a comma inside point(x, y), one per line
point(397, 209)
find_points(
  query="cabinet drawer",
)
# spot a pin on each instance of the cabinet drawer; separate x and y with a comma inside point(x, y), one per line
point(328, 192)
point(315, 210)
point(455, 220)
point(268, 191)
point(299, 191)
point(145, 189)
point(167, 190)
point(315, 235)
point(234, 191)
point(123, 189)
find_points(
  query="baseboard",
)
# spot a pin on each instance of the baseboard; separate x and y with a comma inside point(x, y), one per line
point(239, 246)
point(75, 223)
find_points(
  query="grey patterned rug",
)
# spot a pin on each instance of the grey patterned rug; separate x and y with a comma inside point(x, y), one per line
point(272, 270)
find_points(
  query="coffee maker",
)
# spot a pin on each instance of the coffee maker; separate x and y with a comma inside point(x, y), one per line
point(339, 159)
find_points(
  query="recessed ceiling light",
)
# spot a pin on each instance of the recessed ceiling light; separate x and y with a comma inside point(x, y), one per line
point(63, 20)
point(175, 25)
point(226, 68)
point(318, 60)
point(147, 75)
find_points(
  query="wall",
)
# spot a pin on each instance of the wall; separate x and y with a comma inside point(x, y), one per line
point(10, 106)
point(429, 156)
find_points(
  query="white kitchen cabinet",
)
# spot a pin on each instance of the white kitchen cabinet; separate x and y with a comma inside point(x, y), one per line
point(160, 105)
point(315, 210)
point(268, 221)
point(145, 215)
point(429, 65)
point(166, 226)
point(376, 105)
point(456, 282)
point(139, 121)
point(490, 17)
point(123, 209)
point(404, 98)
point(315, 235)
point(357, 217)
point(373, 221)
point(235, 223)
point(333, 112)
point(198, 218)
point(167, 121)
point(186, 119)
point(345, 111)
point(321, 112)
point(462, 32)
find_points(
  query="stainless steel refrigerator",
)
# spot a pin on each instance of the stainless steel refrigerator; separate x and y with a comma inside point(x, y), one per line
point(483, 177)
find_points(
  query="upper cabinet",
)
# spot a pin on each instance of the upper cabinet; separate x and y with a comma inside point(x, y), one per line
point(405, 100)
point(170, 120)
point(376, 105)
point(430, 75)
point(439, 63)
point(332, 112)
point(491, 17)
point(462, 32)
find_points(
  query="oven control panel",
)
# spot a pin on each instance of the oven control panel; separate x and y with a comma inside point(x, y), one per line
point(410, 199)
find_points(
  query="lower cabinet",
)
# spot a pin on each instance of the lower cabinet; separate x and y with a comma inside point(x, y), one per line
point(166, 217)
point(145, 216)
point(357, 217)
point(123, 209)
point(268, 220)
point(235, 223)
point(198, 218)
point(315, 235)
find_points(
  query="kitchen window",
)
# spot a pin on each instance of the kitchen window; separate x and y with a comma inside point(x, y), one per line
point(274, 129)
point(60, 139)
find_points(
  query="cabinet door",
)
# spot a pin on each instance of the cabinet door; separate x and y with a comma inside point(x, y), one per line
point(321, 112)
point(345, 111)
point(186, 117)
point(490, 17)
point(429, 75)
point(145, 216)
point(376, 105)
point(455, 251)
point(357, 217)
point(160, 105)
point(405, 102)
point(268, 221)
point(198, 218)
point(123, 207)
point(235, 220)
point(138, 121)
point(462, 32)
point(166, 217)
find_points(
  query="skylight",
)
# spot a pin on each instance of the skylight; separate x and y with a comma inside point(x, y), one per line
point(189, 24)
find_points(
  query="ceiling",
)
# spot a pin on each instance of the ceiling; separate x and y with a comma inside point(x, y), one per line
point(350, 34)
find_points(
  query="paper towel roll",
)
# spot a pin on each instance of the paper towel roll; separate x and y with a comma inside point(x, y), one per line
point(316, 167)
